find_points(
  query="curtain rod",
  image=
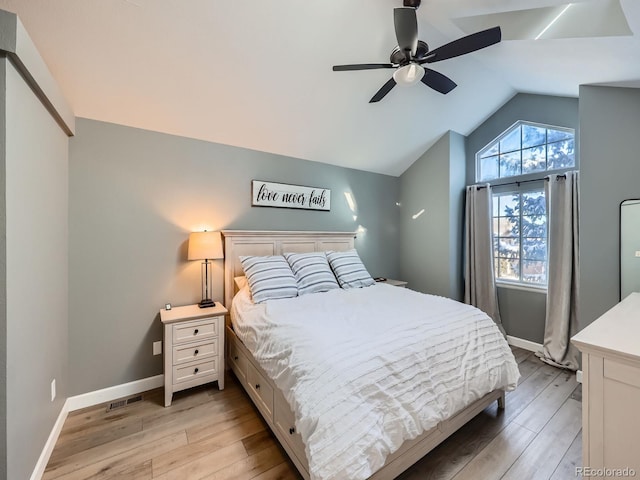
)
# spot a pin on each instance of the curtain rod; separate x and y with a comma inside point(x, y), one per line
point(480, 187)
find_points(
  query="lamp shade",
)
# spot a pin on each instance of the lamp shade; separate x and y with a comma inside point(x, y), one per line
point(205, 245)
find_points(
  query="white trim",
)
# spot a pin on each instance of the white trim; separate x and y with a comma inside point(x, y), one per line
point(38, 471)
point(111, 393)
point(525, 344)
point(520, 286)
point(87, 400)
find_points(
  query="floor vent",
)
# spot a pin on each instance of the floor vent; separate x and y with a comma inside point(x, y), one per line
point(123, 403)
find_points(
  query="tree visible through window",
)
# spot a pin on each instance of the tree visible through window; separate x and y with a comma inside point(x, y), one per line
point(526, 148)
point(520, 237)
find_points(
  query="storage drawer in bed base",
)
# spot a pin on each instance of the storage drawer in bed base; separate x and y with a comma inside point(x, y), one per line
point(278, 415)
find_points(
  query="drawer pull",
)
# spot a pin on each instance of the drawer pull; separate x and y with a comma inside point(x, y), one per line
point(236, 357)
point(292, 430)
point(195, 332)
point(195, 352)
point(257, 386)
point(195, 370)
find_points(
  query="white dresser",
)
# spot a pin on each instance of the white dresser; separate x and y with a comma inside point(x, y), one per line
point(610, 349)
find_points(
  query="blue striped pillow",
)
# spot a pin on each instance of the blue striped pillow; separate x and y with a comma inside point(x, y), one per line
point(312, 272)
point(269, 278)
point(349, 269)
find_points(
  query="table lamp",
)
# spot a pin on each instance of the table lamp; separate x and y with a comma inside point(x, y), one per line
point(205, 246)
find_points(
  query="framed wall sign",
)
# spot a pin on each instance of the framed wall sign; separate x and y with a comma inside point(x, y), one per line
point(269, 194)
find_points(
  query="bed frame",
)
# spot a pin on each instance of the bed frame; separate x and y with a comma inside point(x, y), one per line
point(269, 400)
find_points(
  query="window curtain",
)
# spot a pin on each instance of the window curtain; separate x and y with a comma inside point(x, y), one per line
point(479, 277)
point(562, 197)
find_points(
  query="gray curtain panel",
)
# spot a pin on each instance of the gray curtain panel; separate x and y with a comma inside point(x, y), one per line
point(562, 197)
point(479, 281)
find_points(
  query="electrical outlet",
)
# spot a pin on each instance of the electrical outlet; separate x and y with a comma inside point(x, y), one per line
point(637, 253)
point(53, 389)
point(157, 348)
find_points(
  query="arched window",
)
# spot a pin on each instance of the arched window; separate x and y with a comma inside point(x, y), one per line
point(526, 148)
point(519, 210)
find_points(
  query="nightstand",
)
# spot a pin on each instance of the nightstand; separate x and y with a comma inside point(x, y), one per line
point(395, 283)
point(193, 347)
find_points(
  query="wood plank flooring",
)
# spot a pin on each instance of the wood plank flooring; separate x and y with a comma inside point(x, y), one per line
point(209, 434)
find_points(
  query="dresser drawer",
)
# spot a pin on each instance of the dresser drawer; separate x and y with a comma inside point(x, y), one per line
point(191, 371)
point(191, 331)
point(239, 361)
point(261, 390)
point(195, 351)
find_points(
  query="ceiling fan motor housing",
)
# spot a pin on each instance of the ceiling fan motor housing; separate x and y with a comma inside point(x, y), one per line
point(412, 3)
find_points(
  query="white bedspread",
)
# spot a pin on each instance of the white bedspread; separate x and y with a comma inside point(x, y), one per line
point(366, 369)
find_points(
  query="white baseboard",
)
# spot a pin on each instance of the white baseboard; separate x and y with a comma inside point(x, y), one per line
point(38, 471)
point(87, 400)
point(524, 344)
point(111, 393)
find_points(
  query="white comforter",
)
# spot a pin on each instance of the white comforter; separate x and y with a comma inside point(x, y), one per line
point(366, 369)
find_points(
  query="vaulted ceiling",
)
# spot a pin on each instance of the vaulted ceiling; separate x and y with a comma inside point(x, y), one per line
point(257, 73)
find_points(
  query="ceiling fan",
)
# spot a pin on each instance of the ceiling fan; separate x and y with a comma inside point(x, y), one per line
point(411, 54)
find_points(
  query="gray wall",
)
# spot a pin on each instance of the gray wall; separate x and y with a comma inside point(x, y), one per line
point(3, 273)
point(431, 243)
point(610, 173)
point(134, 197)
point(522, 312)
point(36, 273)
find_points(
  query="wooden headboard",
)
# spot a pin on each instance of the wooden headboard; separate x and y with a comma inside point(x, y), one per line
point(254, 242)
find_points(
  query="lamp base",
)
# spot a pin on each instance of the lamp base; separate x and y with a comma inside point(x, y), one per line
point(206, 303)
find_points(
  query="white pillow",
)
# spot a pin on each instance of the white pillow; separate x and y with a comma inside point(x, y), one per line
point(349, 269)
point(269, 278)
point(312, 272)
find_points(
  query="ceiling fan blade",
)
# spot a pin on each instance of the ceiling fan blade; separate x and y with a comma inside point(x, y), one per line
point(439, 82)
point(468, 44)
point(361, 66)
point(406, 24)
point(386, 88)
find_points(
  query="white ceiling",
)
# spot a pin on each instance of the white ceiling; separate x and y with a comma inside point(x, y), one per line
point(257, 73)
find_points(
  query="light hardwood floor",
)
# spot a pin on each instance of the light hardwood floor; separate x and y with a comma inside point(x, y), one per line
point(209, 434)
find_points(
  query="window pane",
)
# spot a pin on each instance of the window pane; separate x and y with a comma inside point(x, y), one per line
point(555, 135)
point(508, 247)
point(510, 164)
point(508, 227)
point(534, 159)
point(533, 203)
point(508, 204)
point(490, 150)
point(534, 272)
point(508, 268)
point(534, 248)
point(561, 155)
point(511, 141)
point(532, 136)
point(489, 168)
point(534, 226)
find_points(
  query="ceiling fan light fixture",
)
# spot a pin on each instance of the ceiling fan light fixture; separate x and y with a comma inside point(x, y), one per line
point(408, 75)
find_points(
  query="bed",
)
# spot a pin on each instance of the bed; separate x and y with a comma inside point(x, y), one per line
point(281, 377)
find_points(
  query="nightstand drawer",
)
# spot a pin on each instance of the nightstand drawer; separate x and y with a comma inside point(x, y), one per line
point(261, 390)
point(195, 351)
point(190, 331)
point(191, 371)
